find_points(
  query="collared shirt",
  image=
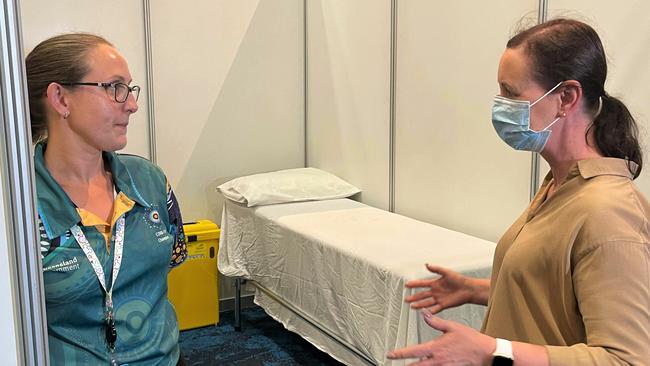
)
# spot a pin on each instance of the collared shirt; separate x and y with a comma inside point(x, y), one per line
point(147, 330)
point(121, 205)
point(573, 272)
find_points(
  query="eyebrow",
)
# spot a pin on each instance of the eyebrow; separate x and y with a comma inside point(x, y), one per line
point(508, 88)
point(118, 78)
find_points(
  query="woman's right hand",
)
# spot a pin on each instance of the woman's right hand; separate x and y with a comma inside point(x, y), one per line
point(447, 291)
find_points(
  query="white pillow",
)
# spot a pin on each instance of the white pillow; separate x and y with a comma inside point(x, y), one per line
point(291, 185)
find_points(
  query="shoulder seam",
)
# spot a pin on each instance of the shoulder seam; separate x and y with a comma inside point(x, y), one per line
point(600, 244)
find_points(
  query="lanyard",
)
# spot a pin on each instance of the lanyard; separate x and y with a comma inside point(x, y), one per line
point(111, 334)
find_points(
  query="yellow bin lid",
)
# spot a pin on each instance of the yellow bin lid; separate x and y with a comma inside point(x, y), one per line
point(201, 230)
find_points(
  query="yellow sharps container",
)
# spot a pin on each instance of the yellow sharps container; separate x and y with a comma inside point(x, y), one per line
point(193, 286)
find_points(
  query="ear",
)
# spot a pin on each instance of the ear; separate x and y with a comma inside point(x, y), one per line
point(57, 98)
point(570, 97)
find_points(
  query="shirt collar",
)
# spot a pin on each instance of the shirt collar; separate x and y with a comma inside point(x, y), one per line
point(122, 179)
point(590, 168)
point(57, 212)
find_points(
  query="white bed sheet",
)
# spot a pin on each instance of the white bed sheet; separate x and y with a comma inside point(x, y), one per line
point(344, 264)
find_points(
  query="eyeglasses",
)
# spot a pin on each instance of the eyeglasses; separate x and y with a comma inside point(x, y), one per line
point(121, 91)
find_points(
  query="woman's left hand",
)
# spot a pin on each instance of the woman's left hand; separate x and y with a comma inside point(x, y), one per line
point(458, 345)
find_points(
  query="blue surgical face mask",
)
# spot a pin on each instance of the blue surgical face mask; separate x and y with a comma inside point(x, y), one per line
point(511, 120)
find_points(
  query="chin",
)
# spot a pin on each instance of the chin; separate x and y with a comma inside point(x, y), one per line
point(115, 146)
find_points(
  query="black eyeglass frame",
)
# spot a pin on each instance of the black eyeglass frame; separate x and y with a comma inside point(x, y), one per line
point(135, 90)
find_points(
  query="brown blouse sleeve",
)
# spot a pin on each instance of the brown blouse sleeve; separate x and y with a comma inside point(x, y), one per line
point(612, 286)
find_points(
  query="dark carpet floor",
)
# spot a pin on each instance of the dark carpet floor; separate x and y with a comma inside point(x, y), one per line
point(262, 342)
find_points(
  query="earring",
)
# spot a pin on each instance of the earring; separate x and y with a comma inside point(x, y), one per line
point(66, 114)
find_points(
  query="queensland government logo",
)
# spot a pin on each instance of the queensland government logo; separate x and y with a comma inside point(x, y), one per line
point(64, 266)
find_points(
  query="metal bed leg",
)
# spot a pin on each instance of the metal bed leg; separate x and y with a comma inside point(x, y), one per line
point(238, 281)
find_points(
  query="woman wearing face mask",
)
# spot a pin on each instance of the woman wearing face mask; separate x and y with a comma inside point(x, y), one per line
point(109, 223)
point(570, 282)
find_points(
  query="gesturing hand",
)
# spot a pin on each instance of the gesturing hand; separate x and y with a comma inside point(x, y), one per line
point(459, 345)
point(449, 290)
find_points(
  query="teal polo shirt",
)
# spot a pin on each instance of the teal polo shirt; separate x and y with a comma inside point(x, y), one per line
point(147, 329)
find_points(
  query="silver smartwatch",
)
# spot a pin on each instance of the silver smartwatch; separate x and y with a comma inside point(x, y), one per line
point(502, 356)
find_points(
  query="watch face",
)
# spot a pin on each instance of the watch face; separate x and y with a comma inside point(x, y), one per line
point(501, 361)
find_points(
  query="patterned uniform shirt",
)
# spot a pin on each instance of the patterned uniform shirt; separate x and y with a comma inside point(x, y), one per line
point(147, 329)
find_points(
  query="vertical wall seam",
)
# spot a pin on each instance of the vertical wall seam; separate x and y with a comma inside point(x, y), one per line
point(151, 106)
point(542, 13)
point(305, 82)
point(19, 195)
point(392, 107)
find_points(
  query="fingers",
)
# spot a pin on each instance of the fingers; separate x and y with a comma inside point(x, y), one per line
point(419, 283)
point(424, 350)
point(438, 270)
point(435, 322)
point(432, 305)
point(418, 296)
point(417, 351)
point(427, 282)
point(424, 303)
point(427, 353)
point(435, 309)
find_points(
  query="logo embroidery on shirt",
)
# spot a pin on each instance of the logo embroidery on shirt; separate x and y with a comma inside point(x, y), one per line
point(153, 220)
point(154, 217)
point(162, 236)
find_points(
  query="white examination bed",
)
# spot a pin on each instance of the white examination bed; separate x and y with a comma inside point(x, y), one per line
point(339, 267)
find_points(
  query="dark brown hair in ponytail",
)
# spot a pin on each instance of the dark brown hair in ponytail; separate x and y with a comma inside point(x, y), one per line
point(566, 49)
point(616, 132)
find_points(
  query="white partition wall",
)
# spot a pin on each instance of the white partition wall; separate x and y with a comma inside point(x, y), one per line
point(119, 21)
point(229, 94)
point(8, 332)
point(451, 167)
point(348, 98)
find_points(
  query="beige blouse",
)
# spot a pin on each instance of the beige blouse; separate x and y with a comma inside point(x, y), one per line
point(573, 272)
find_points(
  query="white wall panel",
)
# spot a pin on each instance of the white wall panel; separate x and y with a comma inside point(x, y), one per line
point(119, 21)
point(8, 350)
point(451, 167)
point(624, 28)
point(348, 93)
point(229, 94)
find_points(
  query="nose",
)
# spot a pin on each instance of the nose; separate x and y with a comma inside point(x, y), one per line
point(131, 104)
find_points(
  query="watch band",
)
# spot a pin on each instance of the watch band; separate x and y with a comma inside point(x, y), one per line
point(503, 355)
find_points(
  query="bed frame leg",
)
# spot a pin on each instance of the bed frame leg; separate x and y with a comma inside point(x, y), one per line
point(238, 281)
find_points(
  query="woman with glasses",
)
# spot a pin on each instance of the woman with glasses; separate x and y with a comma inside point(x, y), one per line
point(570, 282)
point(109, 223)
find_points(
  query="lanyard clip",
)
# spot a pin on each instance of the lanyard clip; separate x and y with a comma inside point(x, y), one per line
point(111, 331)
